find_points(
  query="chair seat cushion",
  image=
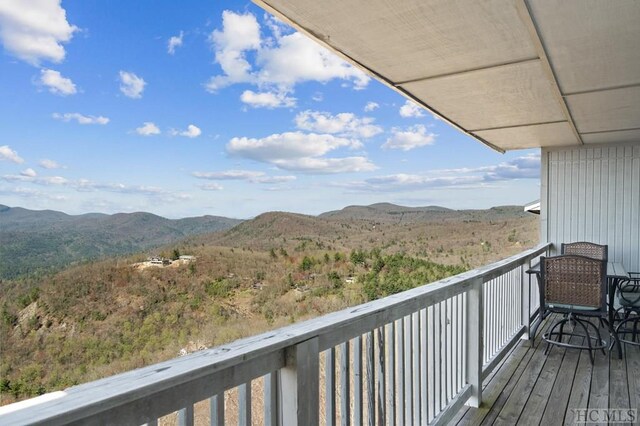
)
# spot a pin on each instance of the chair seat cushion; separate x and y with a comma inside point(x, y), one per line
point(628, 299)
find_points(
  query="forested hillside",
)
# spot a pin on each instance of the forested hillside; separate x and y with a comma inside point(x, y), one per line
point(104, 317)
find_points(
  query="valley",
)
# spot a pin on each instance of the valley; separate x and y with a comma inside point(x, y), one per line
point(103, 317)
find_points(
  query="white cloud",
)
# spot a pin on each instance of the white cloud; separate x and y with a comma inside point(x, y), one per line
point(153, 192)
point(247, 175)
point(317, 97)
point(49, 164)
point(275, 179)
point(191, 132)
point(56, 83)
point(131, 85)
point(29, 172)
point(229, 175)
point(413, 137)
point(32, 193)
point(411, 109)
point(345, 124)
point(211, 187)
point(174, 42)
point(44, 180)
point(301, 152)
point(6, 153)
point(406, 182)
point(81, 119)
point(325, 165)
point(371, 106)
point(34, 30)
point(525, 167)
point(268, 100)
point(281, 61)
point(239, 34)
point(148, 129)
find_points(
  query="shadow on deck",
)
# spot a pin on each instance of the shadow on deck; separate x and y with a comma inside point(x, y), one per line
point(530, 387)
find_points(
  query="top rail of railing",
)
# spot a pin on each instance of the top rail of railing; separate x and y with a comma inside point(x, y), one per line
point(150, 392)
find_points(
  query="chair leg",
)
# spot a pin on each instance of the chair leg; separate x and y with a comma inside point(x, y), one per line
point(551, 331)
point(613, 333)
point(562, 330)
point(588, 337)
point(597, 334)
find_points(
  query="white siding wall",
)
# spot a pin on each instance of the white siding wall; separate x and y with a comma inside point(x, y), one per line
point(592, 193)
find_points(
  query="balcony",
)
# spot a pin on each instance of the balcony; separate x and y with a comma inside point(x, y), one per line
point(454, 351)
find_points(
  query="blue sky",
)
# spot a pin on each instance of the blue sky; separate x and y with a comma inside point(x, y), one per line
point(206, 107)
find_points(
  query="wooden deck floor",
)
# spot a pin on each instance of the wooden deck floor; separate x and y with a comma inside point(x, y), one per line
point(531, 388)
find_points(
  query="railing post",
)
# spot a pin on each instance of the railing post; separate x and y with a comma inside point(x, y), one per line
point(526, 301)
point(475, 321)
point(300, 385)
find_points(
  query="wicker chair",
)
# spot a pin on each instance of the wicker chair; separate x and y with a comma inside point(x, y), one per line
point(576, 287)
point(628, 312)
point(584, 248)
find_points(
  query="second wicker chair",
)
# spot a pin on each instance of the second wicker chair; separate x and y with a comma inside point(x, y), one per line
point(576, 287)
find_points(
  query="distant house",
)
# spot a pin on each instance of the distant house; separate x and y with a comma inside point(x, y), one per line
point(187, 258)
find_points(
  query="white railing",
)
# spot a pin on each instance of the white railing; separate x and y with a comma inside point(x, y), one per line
point(411, 358)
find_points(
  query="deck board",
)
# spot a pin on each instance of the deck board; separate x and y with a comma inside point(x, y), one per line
point(560, 393)
point(632, 357)
point(530, 387)
point(599, 395)
point(537, 402)
point(581, 387)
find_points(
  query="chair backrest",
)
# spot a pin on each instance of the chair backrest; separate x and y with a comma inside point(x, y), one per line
point(573, 280)
point(584, 248)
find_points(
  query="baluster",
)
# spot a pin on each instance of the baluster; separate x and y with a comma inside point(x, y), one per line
point(216, 407)
point(330, 386)
point(185, 416)
point(391, 369)
point(357, 381)
point(380, 375)
point(371, 413)
point(271, 399)
point(345, 391)
point(244, 404)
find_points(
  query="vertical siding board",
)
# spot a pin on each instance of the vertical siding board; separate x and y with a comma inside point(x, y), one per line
point(567, 216)
point(592, 193)
point(611, 205)
point(552, 197)
point(626, 200)
point(588, 202)
point(582, 195)
point(635, 209)
point(595, 206)
point(575, 194)
point(604, 197)
point(544, 195)
point(619, 203)
point(634, 263)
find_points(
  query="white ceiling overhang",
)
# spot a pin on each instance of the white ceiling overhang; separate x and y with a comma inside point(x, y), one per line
point(513, 74)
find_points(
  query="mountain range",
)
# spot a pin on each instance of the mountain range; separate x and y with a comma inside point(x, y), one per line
point(45, 240)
